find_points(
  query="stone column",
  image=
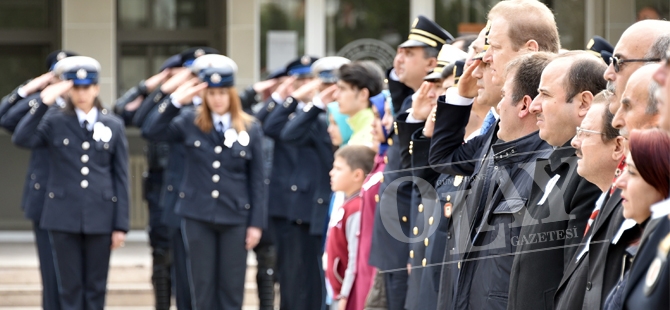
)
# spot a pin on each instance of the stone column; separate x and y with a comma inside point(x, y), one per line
point(243, 42)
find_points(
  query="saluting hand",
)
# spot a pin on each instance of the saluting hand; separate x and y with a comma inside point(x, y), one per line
point(285, 88)
point(429, 127)
point(38, 83)
point(422, 104)
point(183, 75)
point(153, 82)
point(306, 92)
point(328, 95)
point(53, 91)
point(118, 239)
point(185, 93)
point(253, 237)
point(262, 86)
point(467, 84)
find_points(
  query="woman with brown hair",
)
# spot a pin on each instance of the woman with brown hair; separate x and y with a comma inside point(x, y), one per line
point(222, 198)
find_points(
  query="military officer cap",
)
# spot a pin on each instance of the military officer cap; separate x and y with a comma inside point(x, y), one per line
point(216, 70)
point(601, 48)
point(81, 70)
point(57, 56)
point(459, 67)
point(173, 62)
point(480, 55)
point(281, 72)
point(326, 68)
point(445, 61)
point(426, 32)
point(301, 67)
point(189, 55)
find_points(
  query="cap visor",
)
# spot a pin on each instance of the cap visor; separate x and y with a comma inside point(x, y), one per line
point(413, 43)
point(433, 76)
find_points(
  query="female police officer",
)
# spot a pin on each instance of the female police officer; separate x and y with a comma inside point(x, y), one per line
point(86, 206)
point(222, 198)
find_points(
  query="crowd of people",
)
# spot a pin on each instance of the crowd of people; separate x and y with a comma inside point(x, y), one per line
point(496, 171)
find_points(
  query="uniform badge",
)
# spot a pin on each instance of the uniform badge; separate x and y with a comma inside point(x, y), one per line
point(81, 74)
point(199, 52)
point(230, 136)
point(458, 180)
point(305, 60)
point(215, 78)
point(61, 56)
point(447, 209)
point(243, 138)
point(101, 132)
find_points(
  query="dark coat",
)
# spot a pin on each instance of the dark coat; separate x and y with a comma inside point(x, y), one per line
point(553, 226)
point(92, 200)
point(293, 192)
point(120, 105)
point(309, 129)
point(221, 185)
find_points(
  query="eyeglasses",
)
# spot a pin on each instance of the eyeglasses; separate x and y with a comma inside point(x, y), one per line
point(617, 63)
point(581, 131)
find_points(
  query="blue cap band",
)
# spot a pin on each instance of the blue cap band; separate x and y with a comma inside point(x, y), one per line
point(91, 78)
point(300, 70)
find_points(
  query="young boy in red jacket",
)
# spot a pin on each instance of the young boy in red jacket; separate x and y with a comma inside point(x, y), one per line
point(351, 166)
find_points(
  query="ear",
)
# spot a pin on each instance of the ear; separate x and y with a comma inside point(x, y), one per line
point(619, 148)
point(585, 99)
point(365, 93)
point(432, 63)
point(532, 46)
point(523, 107)
point(359, 175)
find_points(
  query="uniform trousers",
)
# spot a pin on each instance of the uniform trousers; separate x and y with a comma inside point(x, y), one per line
point(301, 282)
point(396, 289)
point(50, 298)
point(181, 285)
point(217, 264)
point(82, 264)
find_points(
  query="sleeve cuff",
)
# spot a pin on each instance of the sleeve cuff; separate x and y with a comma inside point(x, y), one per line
point(410, 117)
point(278, 99)
point(175, 103)
point(453, 98)
point(21, 92)
point(316, 101)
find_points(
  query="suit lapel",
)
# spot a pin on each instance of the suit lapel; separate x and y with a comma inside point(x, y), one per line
point(73, 124)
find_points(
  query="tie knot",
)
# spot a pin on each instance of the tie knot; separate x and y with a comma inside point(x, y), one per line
point(84, 124)
point(220, 125)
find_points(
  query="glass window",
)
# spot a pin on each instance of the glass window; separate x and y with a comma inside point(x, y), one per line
point(462, 17)
point(20, 63)
point(26, 14)
point(137, 62)
point(282, 15)
point(162, 14)
point(366, 29)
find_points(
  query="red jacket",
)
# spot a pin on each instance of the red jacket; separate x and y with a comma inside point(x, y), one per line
point(338, 243)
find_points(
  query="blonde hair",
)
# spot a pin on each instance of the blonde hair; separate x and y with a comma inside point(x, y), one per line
point(538, 24)
point(240, 120)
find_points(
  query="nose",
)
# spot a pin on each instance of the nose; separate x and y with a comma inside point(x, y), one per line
point(576, 143)
point(488, 56)
point(478, 72)
point(618, 120)
point(609, 74)
point(536, 106)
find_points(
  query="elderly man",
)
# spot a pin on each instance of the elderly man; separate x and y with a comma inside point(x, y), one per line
point(600, 149)
point(561, 201)
point(637, 108)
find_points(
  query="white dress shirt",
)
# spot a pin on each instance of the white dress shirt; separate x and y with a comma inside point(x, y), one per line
point(91, 117)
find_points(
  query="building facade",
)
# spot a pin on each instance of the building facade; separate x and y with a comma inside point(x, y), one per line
point(131, 38)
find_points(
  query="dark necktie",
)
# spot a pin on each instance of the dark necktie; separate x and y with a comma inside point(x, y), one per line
point(84, 128)
point(219, 131)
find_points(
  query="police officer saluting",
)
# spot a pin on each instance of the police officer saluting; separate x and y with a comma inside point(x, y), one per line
point(222, 195)
point(86, 206)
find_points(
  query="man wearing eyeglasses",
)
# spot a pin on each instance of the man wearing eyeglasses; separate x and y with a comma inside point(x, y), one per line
point(592, 272)
point(637, 45)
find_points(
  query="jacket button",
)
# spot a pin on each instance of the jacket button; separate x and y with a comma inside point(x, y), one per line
point(218, 149)
point(247, 206)
point(588, 286)
point(411, 254)
point(389, 141)
point(84, 158)
point(377, 198)
point(420, 208)
point(319, 201)
point(181, 195)
point(289, 100)
point(84, 171)
point(169, 188)
point(381, 180)
point(425, 242)
point(216, 178)
point(114, 199)
point(448, 198)
point(416, 230)
point(294, 188)
point(386, 159)
point(33, 176)
point(196, 143)
point(449, 235)
point(37, 185)
point(271, 106)
point(105, 146)
point(51, 195)
point(298, 221)
point(430, 220)
point(216, 164)
point(215, 194)
point(404, 219)
point(66, 141)
point(85, 145)
point(84, 184)
point(267, 181)
point(243, 153)
point(423, 262)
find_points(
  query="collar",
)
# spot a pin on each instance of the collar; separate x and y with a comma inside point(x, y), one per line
point(520, 149)
point(225, 119)
point(561, 155)
point(660, 209)
point(495, 113)
point(91, 117)
point(354, 195)
point(361, 120)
